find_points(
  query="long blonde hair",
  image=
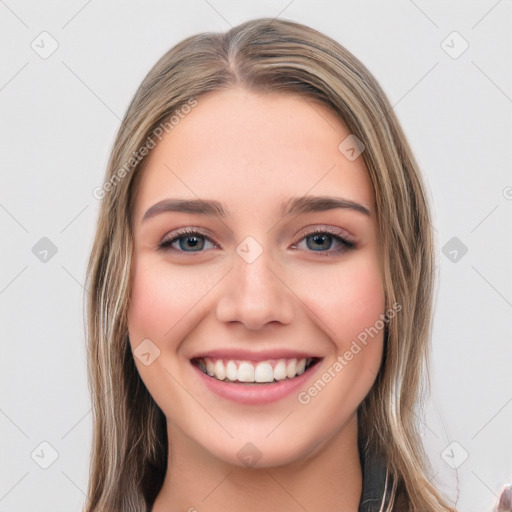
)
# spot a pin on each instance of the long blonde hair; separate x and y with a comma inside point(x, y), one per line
point(129, 452)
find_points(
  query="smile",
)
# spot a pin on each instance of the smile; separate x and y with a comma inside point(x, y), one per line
point(252, 372)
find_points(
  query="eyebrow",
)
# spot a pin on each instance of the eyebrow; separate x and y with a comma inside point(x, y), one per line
point(294, 206)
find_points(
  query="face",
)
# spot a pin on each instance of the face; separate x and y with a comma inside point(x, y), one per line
point(256, 279)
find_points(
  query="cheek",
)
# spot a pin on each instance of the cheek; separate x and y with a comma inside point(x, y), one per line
point(350, 308)
point(163, 308)
point(358, 305)
point(149, 299)
point(165, 302)
point(348, 299)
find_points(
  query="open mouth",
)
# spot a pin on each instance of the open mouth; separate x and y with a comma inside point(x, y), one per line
point(254, 372)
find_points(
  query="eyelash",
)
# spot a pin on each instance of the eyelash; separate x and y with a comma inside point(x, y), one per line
point(345, 242)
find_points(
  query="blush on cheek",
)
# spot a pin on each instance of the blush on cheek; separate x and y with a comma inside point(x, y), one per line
point(142, 311)
point(365, 310)
point(164, 303)
point(348, 305)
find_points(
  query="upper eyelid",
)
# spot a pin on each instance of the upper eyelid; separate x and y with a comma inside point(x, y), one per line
point(342, 234)
point(183, 232)
point(193, 230)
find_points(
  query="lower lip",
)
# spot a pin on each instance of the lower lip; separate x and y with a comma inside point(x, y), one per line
point(256, 394)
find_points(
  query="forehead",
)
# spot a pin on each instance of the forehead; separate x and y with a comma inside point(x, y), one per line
point(253, 150)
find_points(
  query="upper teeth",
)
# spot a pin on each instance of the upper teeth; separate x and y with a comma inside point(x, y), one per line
point(249, 371)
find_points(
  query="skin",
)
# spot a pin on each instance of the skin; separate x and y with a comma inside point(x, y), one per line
point(250, 152)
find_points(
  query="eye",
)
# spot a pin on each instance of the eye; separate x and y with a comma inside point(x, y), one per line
point(324, 240)
point(320, 240)
point(187, 240)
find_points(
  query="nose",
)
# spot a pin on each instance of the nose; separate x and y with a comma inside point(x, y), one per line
point(255, 294)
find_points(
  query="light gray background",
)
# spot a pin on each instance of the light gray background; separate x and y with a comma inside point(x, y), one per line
point(59, 117)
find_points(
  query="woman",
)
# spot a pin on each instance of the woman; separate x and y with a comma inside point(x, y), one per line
point(261, 287)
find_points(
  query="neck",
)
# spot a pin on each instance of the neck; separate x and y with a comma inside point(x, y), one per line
point(328, 480)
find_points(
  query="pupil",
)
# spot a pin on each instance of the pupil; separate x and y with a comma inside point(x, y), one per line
point(321, 241)
point(191, 242)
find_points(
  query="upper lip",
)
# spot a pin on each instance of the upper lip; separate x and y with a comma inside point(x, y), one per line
point(250, 355)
